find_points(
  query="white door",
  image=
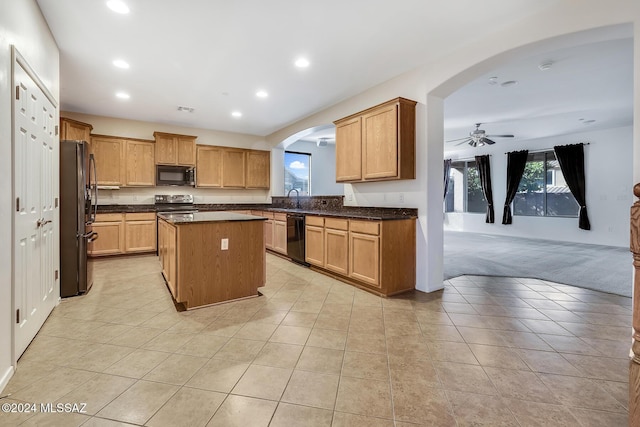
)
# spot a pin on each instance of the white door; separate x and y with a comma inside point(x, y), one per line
point(35, 181)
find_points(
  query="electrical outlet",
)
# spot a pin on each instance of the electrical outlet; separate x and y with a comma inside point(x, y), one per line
point(350, 197)
point(401, 197)
point(224, 244)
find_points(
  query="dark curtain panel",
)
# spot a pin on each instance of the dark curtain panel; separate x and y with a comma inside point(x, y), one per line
point(571, 159)
point(447, 169)
point(484, 170)
point(516, 162)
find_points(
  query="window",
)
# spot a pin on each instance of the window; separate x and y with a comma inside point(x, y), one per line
point(297, 172)
point(464, 193)
point(543, 190)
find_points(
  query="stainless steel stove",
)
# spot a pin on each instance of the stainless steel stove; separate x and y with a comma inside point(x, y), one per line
point(175, 203)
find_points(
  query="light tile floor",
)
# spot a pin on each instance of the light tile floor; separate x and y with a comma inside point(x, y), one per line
point(316, 352)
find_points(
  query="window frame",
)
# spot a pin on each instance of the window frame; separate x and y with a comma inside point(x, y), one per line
point(465, 188)
point(284, 170)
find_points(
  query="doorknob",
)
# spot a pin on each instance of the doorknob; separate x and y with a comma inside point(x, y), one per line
point(41, 222)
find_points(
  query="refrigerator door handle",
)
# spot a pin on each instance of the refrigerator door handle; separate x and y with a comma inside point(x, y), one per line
point(92, 165)
point(93, 236)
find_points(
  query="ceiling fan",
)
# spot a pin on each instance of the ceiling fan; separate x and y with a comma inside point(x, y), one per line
point(478, 138)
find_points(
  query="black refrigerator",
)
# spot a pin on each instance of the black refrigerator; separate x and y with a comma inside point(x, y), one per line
point(78, 204)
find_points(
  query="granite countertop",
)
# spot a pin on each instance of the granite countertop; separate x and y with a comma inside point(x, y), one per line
point(200, 217)
point(365, 213)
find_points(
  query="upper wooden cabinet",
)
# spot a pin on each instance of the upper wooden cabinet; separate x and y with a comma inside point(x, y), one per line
point(258, 169)
point(139, 163)
point(74, 130)
point(108, 152)
point(173, 149)
point(377, 144)
point(208, 166)
point(124, 162)
point(233, 168)
point(227, 167)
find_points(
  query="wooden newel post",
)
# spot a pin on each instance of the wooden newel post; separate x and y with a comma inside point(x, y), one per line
point(634, 365)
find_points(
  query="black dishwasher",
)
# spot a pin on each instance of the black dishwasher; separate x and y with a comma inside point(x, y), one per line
point(295, 237)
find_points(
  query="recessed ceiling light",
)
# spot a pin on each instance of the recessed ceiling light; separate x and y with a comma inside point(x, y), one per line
point(493, 80)
point(121, 63)
point(588, 122)
point(236, 114)
point(186, 109)
point(118, 6)
point(261, 94)
point(509, 83)
point(546, 65)
point(302, 62)
point(123, 95)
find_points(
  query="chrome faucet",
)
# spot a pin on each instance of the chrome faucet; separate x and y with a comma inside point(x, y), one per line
point(297, 197)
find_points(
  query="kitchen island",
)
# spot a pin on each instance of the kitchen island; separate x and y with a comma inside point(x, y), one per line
point(211, 257)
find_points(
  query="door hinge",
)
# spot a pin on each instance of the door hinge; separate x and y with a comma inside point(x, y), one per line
point(56, 129)
point(56, 202)
point(18, 316)
point(18, 93)
point(17, 204)
point(55, 275)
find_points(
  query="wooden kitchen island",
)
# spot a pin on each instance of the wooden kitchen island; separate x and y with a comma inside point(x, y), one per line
point(211, 257)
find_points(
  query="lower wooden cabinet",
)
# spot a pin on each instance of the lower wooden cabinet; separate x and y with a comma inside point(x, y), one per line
point(167, 253)
point(123, 234)
point(280, 233)
point(379, 256)
point(140, 232)
point(110, 241)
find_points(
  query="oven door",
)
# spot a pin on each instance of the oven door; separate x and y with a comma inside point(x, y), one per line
point(175, 175)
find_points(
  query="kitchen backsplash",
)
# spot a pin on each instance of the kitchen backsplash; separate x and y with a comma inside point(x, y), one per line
point(145, 196)
point(308, 202)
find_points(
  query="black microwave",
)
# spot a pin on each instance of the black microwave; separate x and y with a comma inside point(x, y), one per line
point(175, 175)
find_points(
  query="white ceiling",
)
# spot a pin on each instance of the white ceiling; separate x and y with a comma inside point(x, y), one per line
point(592, 81)
point(213, 55)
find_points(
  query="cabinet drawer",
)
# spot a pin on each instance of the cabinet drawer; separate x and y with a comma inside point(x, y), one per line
point(317, 221)
point(280, 216)
point(140, 216)
point(365, 227)
point(109, 217)
point(336, 223)
point(268, 215)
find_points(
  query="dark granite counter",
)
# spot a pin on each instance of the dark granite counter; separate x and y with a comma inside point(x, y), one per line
point(201, 217)
point(331, 206)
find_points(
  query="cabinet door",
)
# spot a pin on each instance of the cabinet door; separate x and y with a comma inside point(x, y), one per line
point(258, 169)
point(171, 253)
point(349, 150)
point(109, 155)
point(336, 254)
point(380, 143)
point(233, 165)
point(140, 236)
point(268, 233)
point(186, 151)
point(110, 239)
point(364, 258)
point(280, 236)
point(314, 245)
point(209, 167)
point(166, 150)
point(140, 164)
point(75, 131)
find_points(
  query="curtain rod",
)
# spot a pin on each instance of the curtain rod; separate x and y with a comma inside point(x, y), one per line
point(468, 159)
point(542, 150)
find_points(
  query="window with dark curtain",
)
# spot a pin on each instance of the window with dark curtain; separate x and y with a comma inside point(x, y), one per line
point(571, 159)
point(484, 169)
point(516, 161)
point(447, 170)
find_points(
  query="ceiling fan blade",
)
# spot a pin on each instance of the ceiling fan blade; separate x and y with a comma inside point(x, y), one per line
point(488, 141)
point(464, 142)
point(459, 139)
point(500, 136)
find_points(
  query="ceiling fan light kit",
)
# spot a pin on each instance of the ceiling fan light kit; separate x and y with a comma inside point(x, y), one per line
point(479, 138)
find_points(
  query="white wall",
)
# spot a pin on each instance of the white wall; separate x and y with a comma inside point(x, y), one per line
point(144, 130)
point(323, 168)
point(22, 25)
point(437, 79)
point(608, 169)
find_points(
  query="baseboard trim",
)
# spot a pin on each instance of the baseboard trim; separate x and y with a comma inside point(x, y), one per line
point(4, 380)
